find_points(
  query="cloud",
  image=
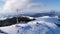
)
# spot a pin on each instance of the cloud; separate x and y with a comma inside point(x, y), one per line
point(35, 5)
point(11, 6)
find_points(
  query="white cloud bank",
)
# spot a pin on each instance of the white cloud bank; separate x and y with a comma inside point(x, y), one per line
point(23, 5)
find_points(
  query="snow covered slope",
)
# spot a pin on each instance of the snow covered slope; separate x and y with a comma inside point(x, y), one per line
point(39, 26)
point(49, 19)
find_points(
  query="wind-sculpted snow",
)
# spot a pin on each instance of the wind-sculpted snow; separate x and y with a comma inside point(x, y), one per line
point(30, 28)
point(49, 19)
point(33, 27)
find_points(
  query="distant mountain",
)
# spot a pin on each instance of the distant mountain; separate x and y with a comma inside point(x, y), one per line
point(41, 14)
point(49, 13)
point(38, 14)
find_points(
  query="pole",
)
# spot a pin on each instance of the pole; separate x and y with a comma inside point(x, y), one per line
point(17, 16)
point(17, 22)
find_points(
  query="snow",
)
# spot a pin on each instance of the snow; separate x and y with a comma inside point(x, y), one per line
point(29, 17)
point(48, 19)
point(38, 26)
point(52, 25)
point(3, 18)
point(9, 29)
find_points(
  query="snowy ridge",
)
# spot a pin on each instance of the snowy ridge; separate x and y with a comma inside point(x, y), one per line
point(28, 17)
point(33, 27)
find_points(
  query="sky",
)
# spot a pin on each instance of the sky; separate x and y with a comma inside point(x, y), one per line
point(10, 6)
point(49, 4)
